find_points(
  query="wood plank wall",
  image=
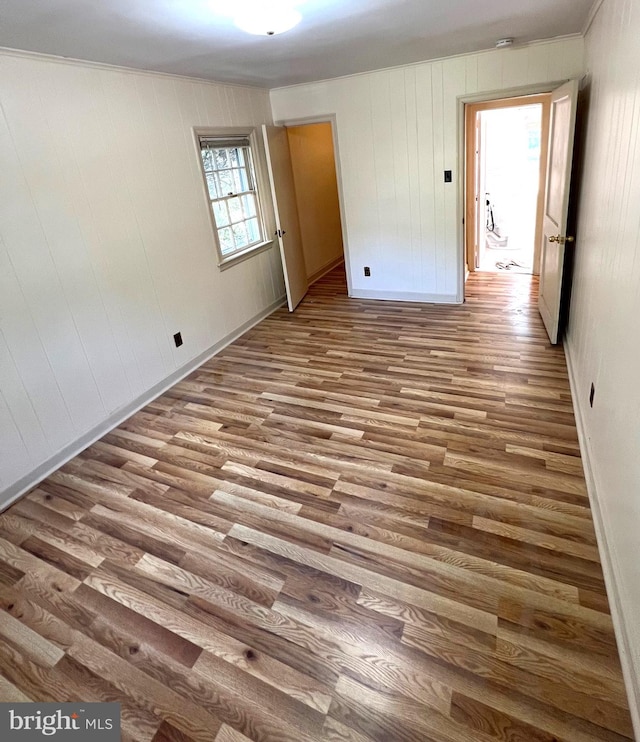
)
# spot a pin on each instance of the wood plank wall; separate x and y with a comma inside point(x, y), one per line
point(397, 131)
point(603, 342)
point(106, 248)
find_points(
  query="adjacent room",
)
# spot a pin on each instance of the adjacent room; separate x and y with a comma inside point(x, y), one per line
point(319, 414)
point(508, 183)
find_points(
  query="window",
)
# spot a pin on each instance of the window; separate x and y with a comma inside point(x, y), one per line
point(227, 164)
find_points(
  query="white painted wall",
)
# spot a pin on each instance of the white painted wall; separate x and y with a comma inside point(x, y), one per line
point(603, 340)
point(106, 249)
point(397, 131)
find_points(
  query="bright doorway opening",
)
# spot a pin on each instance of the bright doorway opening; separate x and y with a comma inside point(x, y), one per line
point(315, 179)
point(510, 179)
point(506, 164)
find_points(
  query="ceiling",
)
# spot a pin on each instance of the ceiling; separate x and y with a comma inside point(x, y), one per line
point(336, 37)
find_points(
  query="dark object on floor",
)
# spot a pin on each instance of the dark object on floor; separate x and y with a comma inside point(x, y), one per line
point(501, 265)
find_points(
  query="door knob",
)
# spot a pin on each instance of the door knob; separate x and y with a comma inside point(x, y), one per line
point(560, 239)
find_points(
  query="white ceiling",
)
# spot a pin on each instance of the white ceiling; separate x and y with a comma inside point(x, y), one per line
point(336, 37)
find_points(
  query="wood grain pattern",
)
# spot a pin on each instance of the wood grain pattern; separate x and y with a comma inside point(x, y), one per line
point(362, 522)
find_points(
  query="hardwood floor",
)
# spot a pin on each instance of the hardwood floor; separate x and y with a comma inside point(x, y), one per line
point(363, 521)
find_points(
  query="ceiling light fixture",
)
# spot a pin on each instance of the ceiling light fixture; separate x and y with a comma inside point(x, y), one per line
point(267, 18)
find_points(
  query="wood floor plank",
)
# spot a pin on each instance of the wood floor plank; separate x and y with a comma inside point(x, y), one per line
point(151, 694)
point(360, 522)
point(228, 734)
point(12, 694)
point(482, 719)
point(29, 642)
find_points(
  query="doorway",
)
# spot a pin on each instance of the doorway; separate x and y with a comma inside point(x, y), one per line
point(316, 188)
point(507, 148)
point(303, 169)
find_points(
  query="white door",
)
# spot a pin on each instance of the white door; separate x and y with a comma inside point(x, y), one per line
point(556, 204)
point(276, 146)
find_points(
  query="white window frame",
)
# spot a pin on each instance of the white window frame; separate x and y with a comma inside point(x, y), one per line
point(243, 137)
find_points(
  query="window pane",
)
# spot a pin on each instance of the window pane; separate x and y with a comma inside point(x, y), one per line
point(228, 171)
point(249, 205)
point(253, 230)
point(240, 235)
point(235, 209)
point(220, 213)
point(241, 181)
point(207, 159)
point(221, 158)
point(226, 241)
point(212, 186)
point(226, 182)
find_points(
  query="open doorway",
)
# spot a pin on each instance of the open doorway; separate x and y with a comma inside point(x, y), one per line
point(303, 173)
point(316, 189)
point(509, 163)
point(507, 143)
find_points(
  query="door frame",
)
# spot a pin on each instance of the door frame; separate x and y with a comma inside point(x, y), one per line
point(463, 101)
point(471, 134)
point(330, 118)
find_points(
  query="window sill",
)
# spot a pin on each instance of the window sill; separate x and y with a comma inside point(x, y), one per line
point(240, 257)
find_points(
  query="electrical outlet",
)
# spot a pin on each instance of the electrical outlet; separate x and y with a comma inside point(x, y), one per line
point(367, 271)
point(177, 339)
point(592, 394)
point(448, 176)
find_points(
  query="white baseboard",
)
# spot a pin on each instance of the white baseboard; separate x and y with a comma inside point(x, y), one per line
point(404, 296)
point(609, 563)
point(325, 269)
point(28, 482)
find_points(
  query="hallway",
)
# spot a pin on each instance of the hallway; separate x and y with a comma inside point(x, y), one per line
point(363, 521)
